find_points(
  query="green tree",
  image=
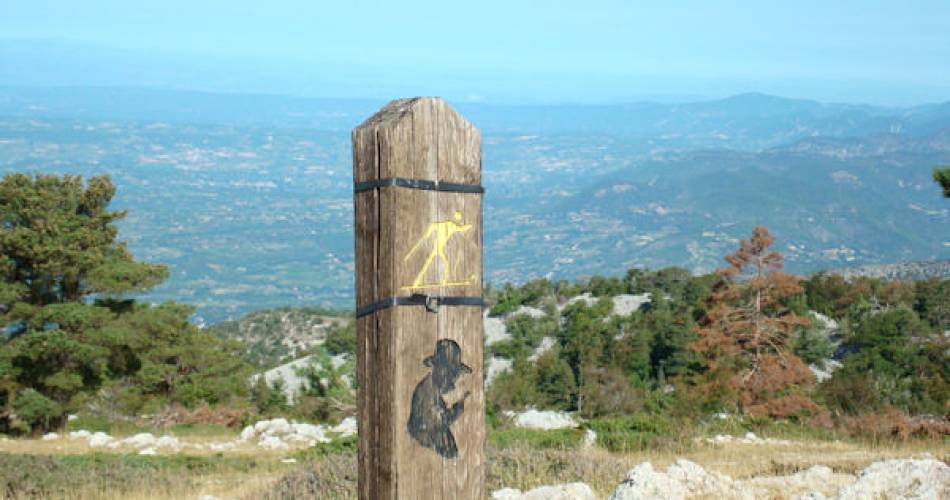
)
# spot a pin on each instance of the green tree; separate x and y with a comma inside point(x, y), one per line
point(166, 359)
point(58, 244)
point(812, 345)
point(554, 381)
point(269, 399)
point(341, 339)
point(932, 302)
point(62, 277)
point(942, 177)
point(906, 362)
point(330, 392)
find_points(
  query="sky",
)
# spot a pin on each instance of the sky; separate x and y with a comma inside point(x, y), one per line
point(891, 53)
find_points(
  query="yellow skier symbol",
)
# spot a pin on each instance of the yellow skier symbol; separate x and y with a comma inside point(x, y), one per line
point(442, 232)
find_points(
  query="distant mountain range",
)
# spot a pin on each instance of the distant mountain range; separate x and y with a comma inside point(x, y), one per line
point(248, 198)
point(748, 121)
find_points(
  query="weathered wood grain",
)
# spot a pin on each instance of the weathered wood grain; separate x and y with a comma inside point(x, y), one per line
point(421, 138)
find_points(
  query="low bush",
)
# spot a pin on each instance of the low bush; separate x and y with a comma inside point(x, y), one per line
point(204, 415)
point(335, 476)
point(639, 432)
point(892, 423)
point(536, 439)
point(344, 446)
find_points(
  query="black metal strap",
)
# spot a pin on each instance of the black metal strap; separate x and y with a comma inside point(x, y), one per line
point(417, 184)
point(431, 303)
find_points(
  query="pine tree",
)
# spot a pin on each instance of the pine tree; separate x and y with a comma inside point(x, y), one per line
point(68, 328)
point(745, 335)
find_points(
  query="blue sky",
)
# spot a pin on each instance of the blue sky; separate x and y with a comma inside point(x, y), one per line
point(592, 51)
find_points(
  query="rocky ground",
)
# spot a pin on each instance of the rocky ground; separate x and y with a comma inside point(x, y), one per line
point(922, 478)
point(276, 434)
point(724, 466)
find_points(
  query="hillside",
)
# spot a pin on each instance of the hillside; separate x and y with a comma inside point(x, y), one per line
point(686, 208)
point(253, 209)
point(274, 336)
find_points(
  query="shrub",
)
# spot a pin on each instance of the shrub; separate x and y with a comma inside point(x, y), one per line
point(333, 477)
point(96, 475)
point(892, 423)
point(177, 415)
point(344, 446)
point(636, 432)
point(536, 439)
point(341, 339)
point(36, 410)
point(812, 345)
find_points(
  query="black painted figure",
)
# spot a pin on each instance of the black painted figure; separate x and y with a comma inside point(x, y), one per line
point(430, 418)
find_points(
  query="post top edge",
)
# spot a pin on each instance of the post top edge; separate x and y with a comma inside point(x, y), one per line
point(396, 111)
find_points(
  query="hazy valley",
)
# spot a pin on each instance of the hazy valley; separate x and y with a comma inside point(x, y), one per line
point(247, 198)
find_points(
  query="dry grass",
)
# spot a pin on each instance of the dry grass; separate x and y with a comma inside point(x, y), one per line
point(252, 473)
point(525, 469)
point(66, 446)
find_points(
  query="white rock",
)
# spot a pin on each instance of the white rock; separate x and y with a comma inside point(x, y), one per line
point(749, 438)
point(535, 419)
point(590, 438)
point(507, 494)
point(896, 478)
point(247, 434)
point(346, 428)
point(827, 323)
point(289, 374)
point(303, 433)
point(99, 439)
point(825, 373)
point(901, 478)
point(339, 360)
point(288, 460)
point(588, 300)
point(304, 428)
point(149, 451)
point(220, 446)
point(71, 417)
point(80, 434)
point(141, 440)
point(546, 344)
point(272, 443)
point(277, 426)
point(52, 436)
point(681, 480)
point(496, 366)
point(570, 491)
point(170, 442)
point(626, 304)
point(495, 330)
point(529, 311)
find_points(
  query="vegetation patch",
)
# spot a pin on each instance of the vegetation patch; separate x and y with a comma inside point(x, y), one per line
point(535, 439)
point(35, 476)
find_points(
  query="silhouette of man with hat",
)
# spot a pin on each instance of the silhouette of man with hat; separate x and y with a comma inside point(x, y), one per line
point(430, 417)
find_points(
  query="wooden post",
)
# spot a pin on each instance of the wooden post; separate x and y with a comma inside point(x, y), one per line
point(418, 211)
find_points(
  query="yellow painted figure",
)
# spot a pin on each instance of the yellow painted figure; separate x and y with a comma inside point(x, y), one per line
point(441, 232)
